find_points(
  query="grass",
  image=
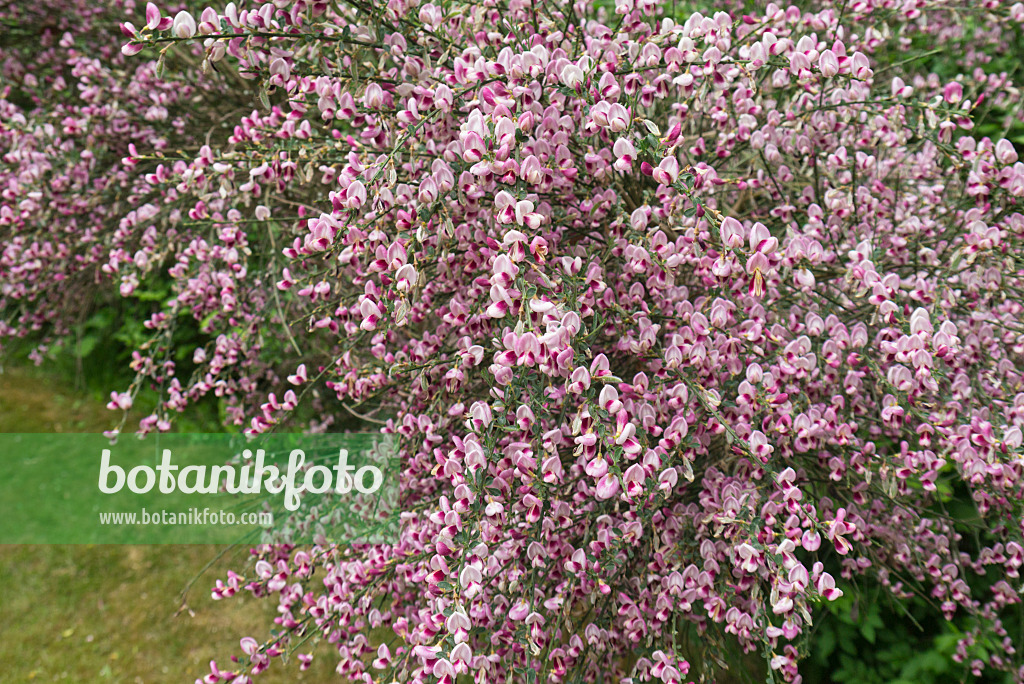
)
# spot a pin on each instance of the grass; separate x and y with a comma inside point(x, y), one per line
point(113, 613)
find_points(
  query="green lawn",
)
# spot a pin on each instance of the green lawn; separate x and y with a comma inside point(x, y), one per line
point(113, 613)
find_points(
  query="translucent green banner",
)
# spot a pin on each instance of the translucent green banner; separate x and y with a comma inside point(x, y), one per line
point(197, 489)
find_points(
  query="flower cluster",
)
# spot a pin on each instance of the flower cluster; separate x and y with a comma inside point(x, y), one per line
point(680, 322)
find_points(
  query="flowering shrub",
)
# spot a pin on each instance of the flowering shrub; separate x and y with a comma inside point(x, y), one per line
point(683, 323)
point(71, 108)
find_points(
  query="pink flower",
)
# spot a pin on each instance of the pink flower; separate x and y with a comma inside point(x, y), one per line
point(120, 401)
point(300, 376)
point(731, 232)
point(519, 611)
point(249, 646)
point(667, 171)
point(184, 25)
point(355, 195)
point(828, 63)
point(383, 658)
point(516, 243)
point(473, 147)
point(607, 486)
point(579, 381)
point(618, 118)
point(598, 466)
point(608, 87)
point(837, 528)
point(371, 313)
point(901, 89)
point(625, 153)
point(444, 671)
point(152, 16)
point(638, 219)
point(373, 96)
point(633, 479)
point(531, 171)
point(761, 240)
point(407, 277)
point(1005, 152)
point(750, 558)
point(953, 92)
point(759, 445)
point(572, 76)
point(757, 267)
point(827, 587)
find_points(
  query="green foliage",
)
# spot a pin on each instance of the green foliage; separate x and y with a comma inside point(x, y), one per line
point(97, 357)
point(865, 642)
point(869, 639)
